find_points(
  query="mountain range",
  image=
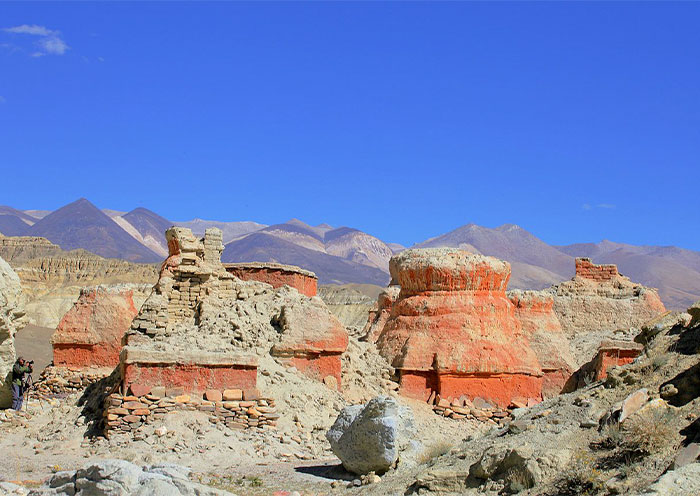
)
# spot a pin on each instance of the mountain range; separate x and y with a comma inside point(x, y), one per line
point(345, 255)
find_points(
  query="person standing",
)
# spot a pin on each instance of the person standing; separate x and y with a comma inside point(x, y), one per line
point(20, 369)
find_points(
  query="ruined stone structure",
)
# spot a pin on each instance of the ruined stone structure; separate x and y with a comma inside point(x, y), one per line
point(12, 318)
point(535, 312)
point(600, 298)
point(614, 353)
point(587, 269)
point(453, 330)
point(90, 333)
point(276, 275)
point(379, 315)
point(234, 408)
point(203, 328)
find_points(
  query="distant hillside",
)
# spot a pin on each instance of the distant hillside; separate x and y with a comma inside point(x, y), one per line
point(82, 225)
point(535, 264)
point(12, 226)
point(266, 247)
point(230, 230)
point(14, 222)
point(149, 226)
point(345, 255)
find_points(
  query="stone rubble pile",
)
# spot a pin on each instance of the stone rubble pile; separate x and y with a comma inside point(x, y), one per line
point(60, 381)
point(463, 408)
point(234, 408)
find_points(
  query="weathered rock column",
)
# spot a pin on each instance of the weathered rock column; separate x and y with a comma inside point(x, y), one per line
point(453, 330)
point(11, 319)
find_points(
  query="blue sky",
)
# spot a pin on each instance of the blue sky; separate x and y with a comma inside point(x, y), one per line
point(577, 121)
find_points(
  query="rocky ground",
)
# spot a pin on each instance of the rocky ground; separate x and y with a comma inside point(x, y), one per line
point(618, 436)
point(54, 435)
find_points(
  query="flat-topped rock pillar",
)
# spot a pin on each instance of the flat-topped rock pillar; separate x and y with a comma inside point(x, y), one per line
point(453, 330)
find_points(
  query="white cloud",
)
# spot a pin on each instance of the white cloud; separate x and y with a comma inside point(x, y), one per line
point(607, 206)
point(33, 29)
point(49, 42)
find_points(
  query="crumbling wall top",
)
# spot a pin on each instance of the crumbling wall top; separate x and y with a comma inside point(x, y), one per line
point(587, 269)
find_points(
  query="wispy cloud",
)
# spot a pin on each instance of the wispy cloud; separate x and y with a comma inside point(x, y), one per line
point(2, 99)
point(49, 41)
point(607, 206)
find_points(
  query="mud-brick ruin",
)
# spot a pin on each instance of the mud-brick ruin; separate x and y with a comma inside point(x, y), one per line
point(276, 275)
point(198, 338)
point(453, 331)
point(598, 296)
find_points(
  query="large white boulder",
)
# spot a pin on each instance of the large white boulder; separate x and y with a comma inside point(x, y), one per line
point(373, 437)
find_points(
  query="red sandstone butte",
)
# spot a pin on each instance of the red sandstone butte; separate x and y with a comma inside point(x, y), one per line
point(379, 315)
point(535, 311)
point(453, 330)
point(312, 340)
point(614, 353)
point(90, 333)
point(277, 275)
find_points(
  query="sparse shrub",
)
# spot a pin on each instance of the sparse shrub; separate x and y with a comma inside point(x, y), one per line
point(582, 477)
point(650, 434)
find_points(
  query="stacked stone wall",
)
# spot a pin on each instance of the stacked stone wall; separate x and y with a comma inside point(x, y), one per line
point(587, 269)
point(233, 408)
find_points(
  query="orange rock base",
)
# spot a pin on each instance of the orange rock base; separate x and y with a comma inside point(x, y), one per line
point(499, 389)
point(86, 355)
point(612, 358)
point(318, 367)
point(190, 377)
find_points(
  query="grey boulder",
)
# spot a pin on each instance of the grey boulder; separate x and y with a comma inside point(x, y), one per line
point(374, 437)
point(121, 478)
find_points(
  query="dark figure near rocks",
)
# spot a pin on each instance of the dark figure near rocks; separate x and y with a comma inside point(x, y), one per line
point(19, 381)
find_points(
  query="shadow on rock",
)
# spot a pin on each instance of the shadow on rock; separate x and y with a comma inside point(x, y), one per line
point(330, 472)
point(688, 385)
point(92, 402)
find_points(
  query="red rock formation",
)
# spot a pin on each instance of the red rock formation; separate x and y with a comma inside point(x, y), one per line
point(614, 353)
point(312, 340)
point(193, 372)
point(276, 275)
point(535, 311)
point(379, 315)
point(453, 330)
point(90, 333)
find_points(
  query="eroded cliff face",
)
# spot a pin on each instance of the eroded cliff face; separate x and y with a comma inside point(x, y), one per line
point(535, 311)
point(598, 298)
point(453, 330)
point(12, 318)
point(52, 278)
